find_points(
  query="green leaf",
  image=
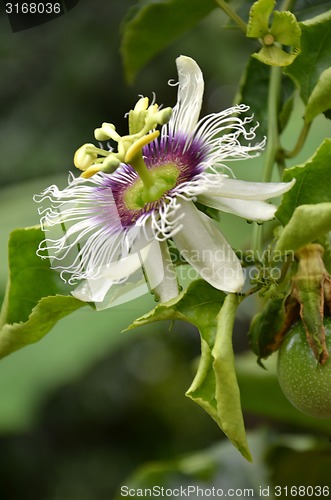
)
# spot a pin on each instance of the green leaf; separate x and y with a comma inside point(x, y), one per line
point(313, 183)
point(275, 56)
point(154, 26)
point(215, 386)
point(307, 9)
point(286, 29)
point(199, 304)
point(258, 23)
point(227, 390)
point(320, 98)
point(307, 223)
point(36, 297)
point(312, 62)
point(265, 327)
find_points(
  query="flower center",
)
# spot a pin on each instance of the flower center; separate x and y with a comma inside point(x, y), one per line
point(268, 39)
point(164, 178)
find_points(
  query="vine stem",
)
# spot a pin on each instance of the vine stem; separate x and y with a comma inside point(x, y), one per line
point(272, 143)
point(257, 238)
point(233, 15)
point(273, 132)
point(287, 5)
point(251, 291)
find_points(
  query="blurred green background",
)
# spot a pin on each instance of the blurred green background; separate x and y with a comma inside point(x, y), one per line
point(88, 407)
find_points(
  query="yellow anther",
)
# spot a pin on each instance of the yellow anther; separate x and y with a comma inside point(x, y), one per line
point(84, 160)
point(139, 144)
point(142, 104)
point(153, 109)
point(100, 135)
point(94, 169)
point(107, 131)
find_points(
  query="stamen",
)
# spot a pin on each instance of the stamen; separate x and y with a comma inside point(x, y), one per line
point(107, 131)
point(90, 172)
point(138, 145)
point(142, 104)
point(85, 156)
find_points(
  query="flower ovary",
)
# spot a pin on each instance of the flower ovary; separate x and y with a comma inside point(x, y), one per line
point(164, 178)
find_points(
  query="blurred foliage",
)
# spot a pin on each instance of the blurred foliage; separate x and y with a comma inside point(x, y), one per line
point(93, 432)
point(141, 41)
point(214, 468)
point(67, 68)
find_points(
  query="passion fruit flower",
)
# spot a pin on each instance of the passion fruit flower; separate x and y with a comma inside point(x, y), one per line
point(121, 213)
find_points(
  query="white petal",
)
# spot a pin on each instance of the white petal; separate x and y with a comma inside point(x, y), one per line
point(164, 280)
point(95, 289)
point(83, 292)
point(123, 280)
point(201, 243)
point(258, 211)
point(189, 100)
point(83, 227)
point(245, 190)
point(116, 294)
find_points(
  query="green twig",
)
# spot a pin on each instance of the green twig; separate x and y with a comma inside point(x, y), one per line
point(273, 141)
point(233, 15)
point(251, 291)
point(257, 238)
point(300, 143)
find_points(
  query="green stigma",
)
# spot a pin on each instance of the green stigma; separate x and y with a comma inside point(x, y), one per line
point(163, 178)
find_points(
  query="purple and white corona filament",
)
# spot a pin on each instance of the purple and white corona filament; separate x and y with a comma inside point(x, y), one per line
point(114, 220)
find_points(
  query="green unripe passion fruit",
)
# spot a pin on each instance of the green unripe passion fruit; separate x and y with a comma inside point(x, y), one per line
point(305, 382)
